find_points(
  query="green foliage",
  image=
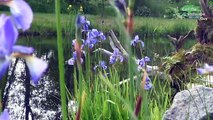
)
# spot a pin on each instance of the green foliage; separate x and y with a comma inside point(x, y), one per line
point(102, 7)
point(45, 23)
point(143, 11)
point(89, 6)
point(171, 13)
point(163, 27)
point(47, 6)
point(211, 3)
point(106, 100)
point(157, 8)
point(181, 27)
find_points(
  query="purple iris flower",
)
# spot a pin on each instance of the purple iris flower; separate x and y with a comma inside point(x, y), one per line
point(93, 33)
point(102, 36)
point(94, 36)
point(137, 40)
point(21, 12)
point(112, 59)
point(8, 50)
point(4, 115)
point(72, 60)
point(142, 62)
point(73, 42)
point(82, 22)
point(147, 59)
point(101, 64)
point(90, 43)
point(148, 83)
point(207, 69)
point(116, 56)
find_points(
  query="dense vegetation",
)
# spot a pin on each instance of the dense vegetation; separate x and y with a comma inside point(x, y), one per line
point(107, 71)
point(143, 7)
point(44, 24)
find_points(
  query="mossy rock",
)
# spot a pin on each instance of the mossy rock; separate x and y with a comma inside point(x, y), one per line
point(182, 65)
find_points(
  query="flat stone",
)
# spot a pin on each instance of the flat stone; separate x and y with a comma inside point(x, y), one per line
point(192, 104)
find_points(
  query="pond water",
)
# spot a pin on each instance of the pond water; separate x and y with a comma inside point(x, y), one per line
point(44, 99)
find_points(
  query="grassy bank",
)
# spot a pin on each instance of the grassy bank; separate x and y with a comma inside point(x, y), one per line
point(44, 24)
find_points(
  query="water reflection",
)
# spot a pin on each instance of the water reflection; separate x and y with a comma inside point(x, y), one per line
point(44, 99)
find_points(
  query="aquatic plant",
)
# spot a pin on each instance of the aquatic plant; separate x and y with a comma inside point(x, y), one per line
point(80, 44)
point(21, 18)
point(116, 56)
point(99, 96)
point(101, 65)
point(82, 22)
point(61, 60)
point(9, 50)
point(118, 96)
point(137, 40)
point(72, 60)
point(142, 62)
point(22, 15)
point(119, 54)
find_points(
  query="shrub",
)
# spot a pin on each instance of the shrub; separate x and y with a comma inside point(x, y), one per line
point(143, 11)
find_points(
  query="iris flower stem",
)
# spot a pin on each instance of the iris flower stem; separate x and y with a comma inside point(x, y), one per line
point(78, 50)
point(131, 63)
point(2, 87)
point(131, 4)
point(60, 60)
point(127, 37)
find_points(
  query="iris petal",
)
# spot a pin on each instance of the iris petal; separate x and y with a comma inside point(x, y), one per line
point(136, 38)
point(146, 59)
point(36, 67)
point(148, 83)
point(208, 67)
point(8, 34)
point(142, 43)
point(71, 61)
point(4, 115)
point(23, 49)
point(201, 71)
point(3, 67)
point(22, 14)
point(103, 37)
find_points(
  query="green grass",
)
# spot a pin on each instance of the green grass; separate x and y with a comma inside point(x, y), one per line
point(103, 99)
point(162, 27)
point(45, 24)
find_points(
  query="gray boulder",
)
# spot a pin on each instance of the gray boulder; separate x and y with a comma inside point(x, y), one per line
point(192, 104)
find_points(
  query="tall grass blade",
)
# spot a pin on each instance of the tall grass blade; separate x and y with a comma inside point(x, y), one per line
point(60, 60)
